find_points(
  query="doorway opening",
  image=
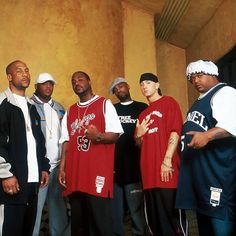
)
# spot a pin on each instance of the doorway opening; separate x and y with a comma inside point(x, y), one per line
point(227, 68)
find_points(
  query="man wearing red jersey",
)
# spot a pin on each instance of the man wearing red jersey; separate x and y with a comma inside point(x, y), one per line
point(89, 130)
point(157, 131)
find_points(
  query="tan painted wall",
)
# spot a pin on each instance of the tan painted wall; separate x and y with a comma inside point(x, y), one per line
point(215, 39)
point(171, 72)
point(139, 46)
point(143, 54)
point(61, 37)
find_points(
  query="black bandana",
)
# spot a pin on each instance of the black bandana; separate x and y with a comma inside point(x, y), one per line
point(148, 76)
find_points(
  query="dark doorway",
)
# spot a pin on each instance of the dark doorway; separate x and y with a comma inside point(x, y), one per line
point(227, 68)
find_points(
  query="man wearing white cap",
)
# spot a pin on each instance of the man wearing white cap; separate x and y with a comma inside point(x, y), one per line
point(208, 161)
point(127, 176)
point(51, 113)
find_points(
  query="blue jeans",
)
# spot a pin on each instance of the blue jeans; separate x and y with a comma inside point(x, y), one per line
point(57, 211)
point(133, 195)
point(212, 226)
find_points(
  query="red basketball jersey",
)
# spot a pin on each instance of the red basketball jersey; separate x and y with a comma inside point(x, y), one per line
point(89, 166)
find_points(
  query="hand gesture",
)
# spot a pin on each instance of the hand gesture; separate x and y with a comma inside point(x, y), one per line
point(62, 178)
point(10, 185)
point(142, 128)
point(199, 139)
point(91, 132)
point(166, 171)
point(44, 179)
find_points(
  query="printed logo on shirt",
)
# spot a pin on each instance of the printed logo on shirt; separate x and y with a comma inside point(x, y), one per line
point(197, 118)
point(83, 143)
point(100, 181)
point(127, 119)
point(74, 126)
point(215, 196)
point(153, 130)
point(153, 113)
point(156, 113)
point(80, 124)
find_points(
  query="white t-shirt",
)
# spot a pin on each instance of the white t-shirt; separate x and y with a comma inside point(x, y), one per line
point(224, 108)
point(53, 132)
point(111, 119)
point(33, 174)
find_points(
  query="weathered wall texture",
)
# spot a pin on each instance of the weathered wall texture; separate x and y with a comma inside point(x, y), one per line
point(215, 39)
point(139, 46)
point(61, 37)
point(105, 39)
point(171, 66)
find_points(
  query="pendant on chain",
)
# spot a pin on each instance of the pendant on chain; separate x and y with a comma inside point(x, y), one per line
point(28, 128)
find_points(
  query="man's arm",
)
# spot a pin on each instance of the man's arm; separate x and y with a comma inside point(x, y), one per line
point(92, 133)
point(113, 127)
point(62, 174)
point(141, 130)
point(224, 112)
point(5, 166)
point(201, 139)
point(9, 181)
point(166, 167)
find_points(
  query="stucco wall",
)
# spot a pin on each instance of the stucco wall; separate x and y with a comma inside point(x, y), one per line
point(139, 46)
point(61, 37)
point(171, 72)
point(215, 39)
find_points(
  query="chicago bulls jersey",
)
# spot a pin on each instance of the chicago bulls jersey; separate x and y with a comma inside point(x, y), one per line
point(89, 166)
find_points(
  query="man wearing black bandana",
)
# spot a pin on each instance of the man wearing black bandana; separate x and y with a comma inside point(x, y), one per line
point(158, 130)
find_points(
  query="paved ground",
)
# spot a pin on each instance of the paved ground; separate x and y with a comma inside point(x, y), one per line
point(193, 231)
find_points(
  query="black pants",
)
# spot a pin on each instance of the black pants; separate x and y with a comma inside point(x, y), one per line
point(90, 215)
point(162, 217)
point(19, 219)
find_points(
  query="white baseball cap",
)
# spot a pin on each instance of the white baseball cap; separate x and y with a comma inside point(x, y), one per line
point(200, 66)
point(44, 77)
point(118, 80)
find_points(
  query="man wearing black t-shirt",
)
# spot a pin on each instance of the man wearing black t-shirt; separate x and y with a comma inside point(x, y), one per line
point(127, 177)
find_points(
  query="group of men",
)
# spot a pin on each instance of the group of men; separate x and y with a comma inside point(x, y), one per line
point(110, 160)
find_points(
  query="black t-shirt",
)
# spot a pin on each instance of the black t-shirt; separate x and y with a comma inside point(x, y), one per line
point(127, 153)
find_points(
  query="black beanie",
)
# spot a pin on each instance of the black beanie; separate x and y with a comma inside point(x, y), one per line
point(148, 76)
